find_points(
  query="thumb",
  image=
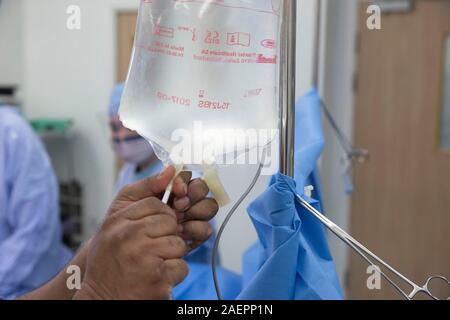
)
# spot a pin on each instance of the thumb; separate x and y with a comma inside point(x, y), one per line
point(149, 187)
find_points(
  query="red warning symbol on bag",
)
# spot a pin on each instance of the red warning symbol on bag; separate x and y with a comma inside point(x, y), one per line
point(212, 37)
point(269, 43)
point(164, 31)
point(266, 59)
point(239, 39)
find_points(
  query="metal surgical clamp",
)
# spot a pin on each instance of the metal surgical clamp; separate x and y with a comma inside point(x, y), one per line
point(367, 255)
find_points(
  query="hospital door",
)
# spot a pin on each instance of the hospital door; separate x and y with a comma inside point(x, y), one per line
point(401, 207)
point(126, 26)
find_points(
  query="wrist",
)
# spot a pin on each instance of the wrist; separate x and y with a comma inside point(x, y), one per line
point(88, 292)
point(63, 278)
point(81, 257)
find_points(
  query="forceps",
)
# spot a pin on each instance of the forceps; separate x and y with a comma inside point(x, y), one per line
point(366, 254)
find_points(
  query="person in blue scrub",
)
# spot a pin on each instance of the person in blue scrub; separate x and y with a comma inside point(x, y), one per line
point(291, 259)
point(137, 154)
point(31, 249)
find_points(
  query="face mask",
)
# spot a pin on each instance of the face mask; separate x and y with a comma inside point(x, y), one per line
point(135, 151)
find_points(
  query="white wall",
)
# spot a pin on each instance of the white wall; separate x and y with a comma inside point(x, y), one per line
point(306, 30)
point(340, 21)
point(11, 45)
point(71, 73)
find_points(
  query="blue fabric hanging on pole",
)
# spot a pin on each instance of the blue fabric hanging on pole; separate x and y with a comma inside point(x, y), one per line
point(292, 259)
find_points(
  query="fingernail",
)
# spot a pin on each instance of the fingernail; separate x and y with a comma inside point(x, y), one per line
point(183, 185)
point(182, 203)
point(180, 229)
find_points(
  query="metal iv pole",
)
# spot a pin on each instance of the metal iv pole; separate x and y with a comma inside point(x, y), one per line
point(288, 54)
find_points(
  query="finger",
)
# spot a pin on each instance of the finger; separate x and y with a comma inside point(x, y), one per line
point(149, 187)
point(160, 225)
point(197, 191)
point(175, 271)
point(180, 185)
point(179, 199)
point(192, 245)
point(204, 210)
point(197, 231)
point(181, 204)
point(145, 208)
point(170, 247)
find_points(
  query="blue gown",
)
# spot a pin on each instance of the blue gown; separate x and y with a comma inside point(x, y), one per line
point(31, 250)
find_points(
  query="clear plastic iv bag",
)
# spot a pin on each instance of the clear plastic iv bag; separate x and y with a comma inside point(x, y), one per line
point(205, 71)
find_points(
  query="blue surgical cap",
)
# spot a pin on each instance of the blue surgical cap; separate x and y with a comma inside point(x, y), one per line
point(114, 103)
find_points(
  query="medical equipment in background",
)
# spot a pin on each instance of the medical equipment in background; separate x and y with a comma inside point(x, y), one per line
point(351, 155)
point(366, 254)
point(57, 136)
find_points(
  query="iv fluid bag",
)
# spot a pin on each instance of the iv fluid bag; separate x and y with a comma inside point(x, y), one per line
point(205, 71)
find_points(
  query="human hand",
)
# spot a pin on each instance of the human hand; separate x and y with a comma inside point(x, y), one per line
point(136, 254)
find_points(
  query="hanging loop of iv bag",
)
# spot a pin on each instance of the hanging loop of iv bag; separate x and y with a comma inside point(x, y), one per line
point(203, 81)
